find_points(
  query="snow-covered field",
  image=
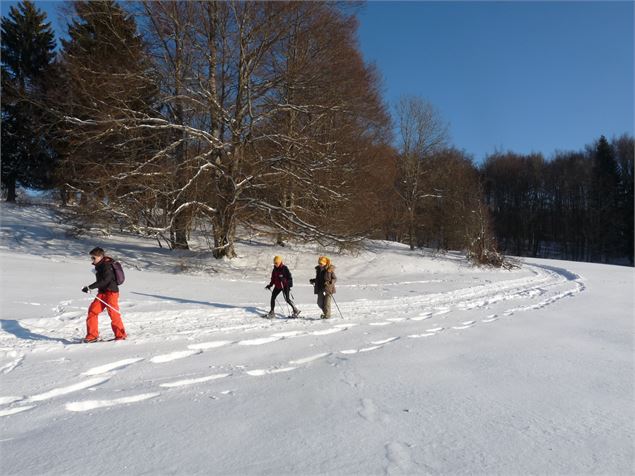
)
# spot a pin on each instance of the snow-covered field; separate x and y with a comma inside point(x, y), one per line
point(433, 366)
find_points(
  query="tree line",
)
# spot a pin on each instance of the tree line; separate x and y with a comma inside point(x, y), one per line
point(577, 206)
point(160, 117)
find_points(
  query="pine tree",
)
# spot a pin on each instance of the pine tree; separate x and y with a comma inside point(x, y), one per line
point(604, 203)
point(105, 83)
point(28, 47)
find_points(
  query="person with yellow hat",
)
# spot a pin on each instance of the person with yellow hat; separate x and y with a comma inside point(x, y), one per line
point(282, 282)
point(324, 285)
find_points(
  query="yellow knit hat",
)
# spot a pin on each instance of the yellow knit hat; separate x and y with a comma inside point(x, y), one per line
point(277, 260)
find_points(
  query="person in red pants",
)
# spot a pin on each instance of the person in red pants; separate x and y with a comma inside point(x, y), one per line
point(107, 297)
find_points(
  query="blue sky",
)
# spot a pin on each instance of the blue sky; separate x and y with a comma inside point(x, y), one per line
point(521, 76)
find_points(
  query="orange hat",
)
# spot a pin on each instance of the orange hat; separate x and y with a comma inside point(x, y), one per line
point(277, 260)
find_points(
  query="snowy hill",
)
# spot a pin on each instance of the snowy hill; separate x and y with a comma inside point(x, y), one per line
point(432, 367)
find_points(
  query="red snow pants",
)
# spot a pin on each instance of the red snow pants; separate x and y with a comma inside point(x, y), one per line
point(96, 307)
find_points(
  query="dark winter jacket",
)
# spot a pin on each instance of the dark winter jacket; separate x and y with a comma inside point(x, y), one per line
point(281, 277)
point(324, 280)
point(106, 280)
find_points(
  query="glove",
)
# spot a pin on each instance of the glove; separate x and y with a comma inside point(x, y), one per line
point(312, 281)
point(85, 289)
point(268, 287)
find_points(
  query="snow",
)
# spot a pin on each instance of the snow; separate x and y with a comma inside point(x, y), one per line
point(433, 366)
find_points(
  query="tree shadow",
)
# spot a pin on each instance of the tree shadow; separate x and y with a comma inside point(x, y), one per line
point(15, 328)
point(251, 309)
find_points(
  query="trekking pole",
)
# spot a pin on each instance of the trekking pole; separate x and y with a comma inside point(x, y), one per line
point(338, 308)
point(278, 302)
point(116, 310)
point(286, 304)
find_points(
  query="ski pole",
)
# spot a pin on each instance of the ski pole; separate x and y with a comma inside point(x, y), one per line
point(338, 308)
point(286, 304)
point(116, 310)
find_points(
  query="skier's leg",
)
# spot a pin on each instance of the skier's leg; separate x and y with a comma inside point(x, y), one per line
point(320, 301)
point(92, 322)
point(274, 295)
point(287, 297)
point(116, 322)
point(327, 306)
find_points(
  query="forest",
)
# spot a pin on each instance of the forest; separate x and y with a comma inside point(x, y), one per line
point(241, 118)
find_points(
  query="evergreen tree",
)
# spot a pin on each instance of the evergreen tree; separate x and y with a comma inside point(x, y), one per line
point(104, 83)
point(28, 47)
point(604, 203)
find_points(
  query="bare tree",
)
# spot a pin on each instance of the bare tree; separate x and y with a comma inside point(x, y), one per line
point(422, 132)
point(264, 114)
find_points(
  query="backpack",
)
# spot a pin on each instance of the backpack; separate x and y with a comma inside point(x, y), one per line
point(120, 277)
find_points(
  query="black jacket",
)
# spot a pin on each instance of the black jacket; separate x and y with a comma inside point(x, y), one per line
point(106, 280)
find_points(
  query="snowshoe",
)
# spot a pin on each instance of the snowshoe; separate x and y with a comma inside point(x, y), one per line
point(295, 314)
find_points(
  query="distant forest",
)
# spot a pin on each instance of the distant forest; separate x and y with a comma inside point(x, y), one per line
point(242, 118)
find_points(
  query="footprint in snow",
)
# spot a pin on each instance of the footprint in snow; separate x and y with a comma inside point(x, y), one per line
point(161, 359)
point(421, 317)
point(368, 349)
point(309, 359)
point(93, 404)
point(427, 334)
point(324, 332)
point(7, 400)
point(385, 341)
point(102, 369)
point(209, 345)
point(56, 392)
point(261, 372)
point(490, 318)
point(399, 458)
point(370, 412)
point(10, 366)
point(192, 381)
point(465, 325)
point(442, 311)
point(264, 340)
point(288, 334)
point(13, 411)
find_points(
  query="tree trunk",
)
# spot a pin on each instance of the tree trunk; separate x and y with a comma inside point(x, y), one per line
point(224, 231)
point(10, 184)
point(178, 233)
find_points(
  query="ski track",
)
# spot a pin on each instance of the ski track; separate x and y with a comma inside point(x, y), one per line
point(161, 359)
point(439, 305)
point(57, 392)
point(113, 366)
point(94, 404)
point(192, 381)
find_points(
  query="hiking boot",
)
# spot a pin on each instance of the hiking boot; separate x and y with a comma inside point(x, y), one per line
point(90, 340)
